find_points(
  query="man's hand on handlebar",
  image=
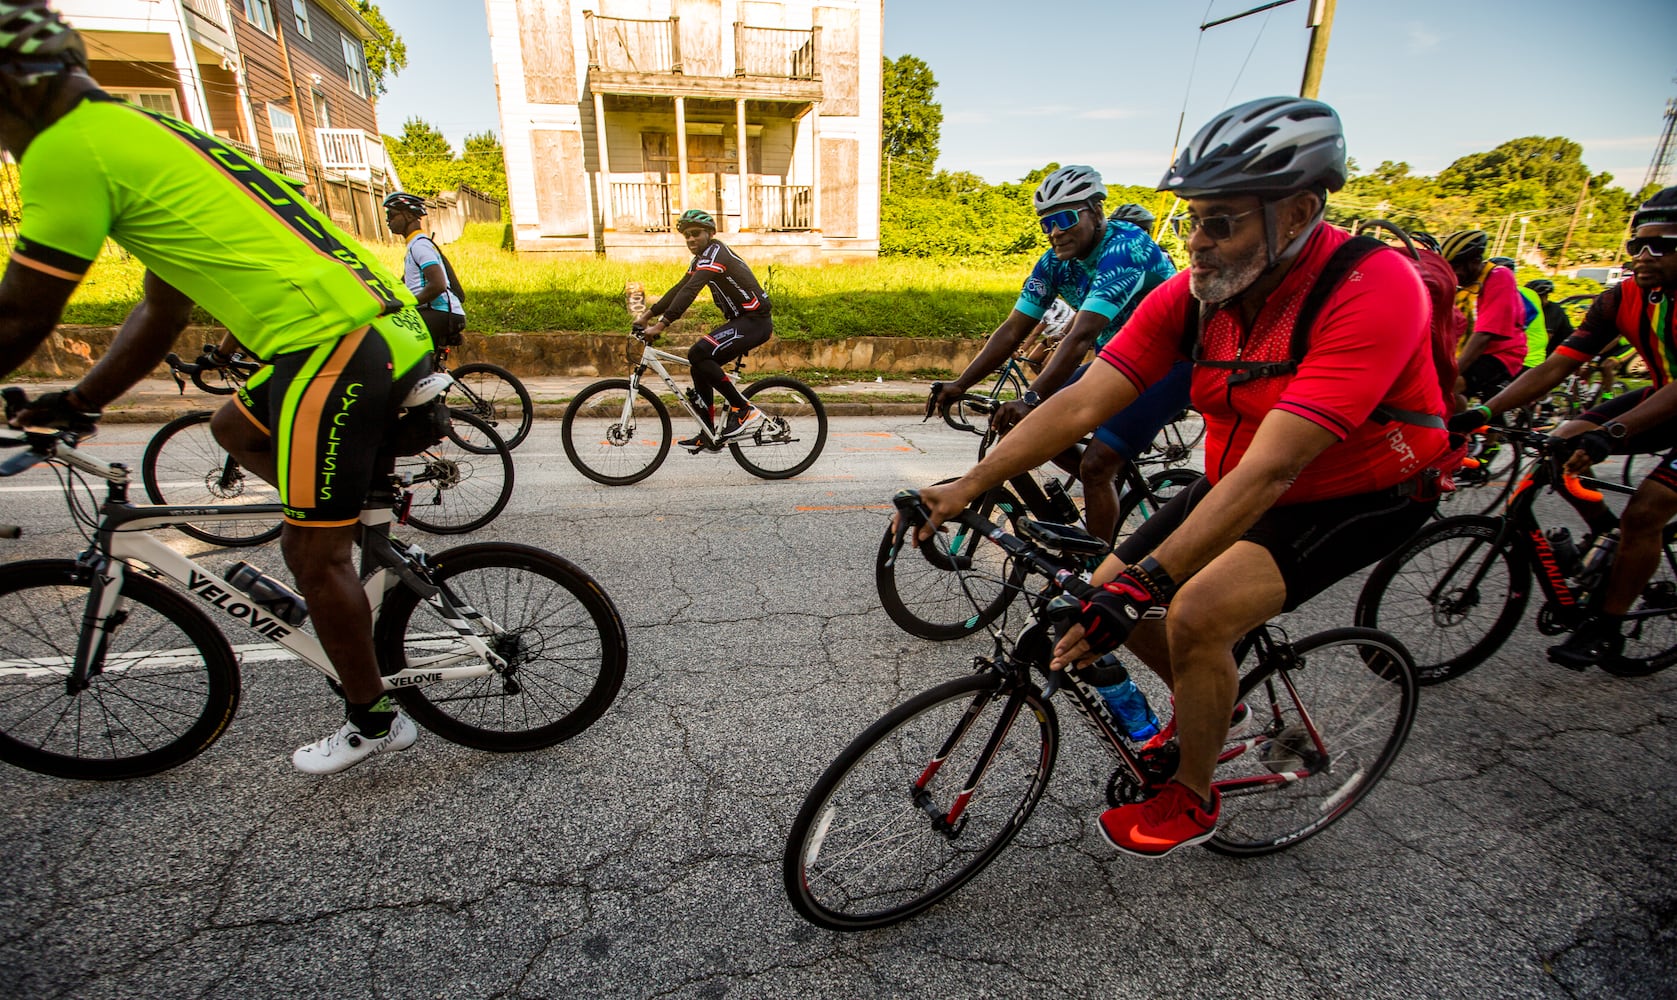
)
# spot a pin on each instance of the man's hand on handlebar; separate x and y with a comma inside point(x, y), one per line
point(941, 396)
point(1009, 414)
point(51, 409)
point(939, 503)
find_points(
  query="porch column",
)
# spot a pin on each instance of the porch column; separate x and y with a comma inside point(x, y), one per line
point(603, 185)
point(681, 151)
point(815, 166)
point(745, 185)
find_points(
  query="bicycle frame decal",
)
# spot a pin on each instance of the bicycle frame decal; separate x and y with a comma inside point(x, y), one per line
point(1554, 579)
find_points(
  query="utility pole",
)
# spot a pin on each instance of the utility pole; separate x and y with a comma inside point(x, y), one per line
point(1566, 244)
point(1320, 22)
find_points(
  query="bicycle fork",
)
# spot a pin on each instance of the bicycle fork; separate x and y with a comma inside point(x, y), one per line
point(952, 821)
point(102, 615)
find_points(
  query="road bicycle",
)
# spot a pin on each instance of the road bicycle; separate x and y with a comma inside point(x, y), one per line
point(107, 672)
point(1455, 591)
point(954, 585)
point(460, 484)
point(490, 393)
point(617, 431)
point(927, 796)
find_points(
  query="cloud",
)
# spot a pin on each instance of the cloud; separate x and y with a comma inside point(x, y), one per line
point(1421, 38)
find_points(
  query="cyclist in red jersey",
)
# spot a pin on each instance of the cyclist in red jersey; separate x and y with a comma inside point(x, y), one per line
point(1307, 478)
point(1640, 422)
point(1494, 349)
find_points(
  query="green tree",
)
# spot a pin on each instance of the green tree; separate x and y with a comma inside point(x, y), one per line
point(483, 165)
point(387, 54)
point(423, 158)
point(912, 121)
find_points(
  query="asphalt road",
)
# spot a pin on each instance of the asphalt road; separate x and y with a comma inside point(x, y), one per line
point(1522, 846)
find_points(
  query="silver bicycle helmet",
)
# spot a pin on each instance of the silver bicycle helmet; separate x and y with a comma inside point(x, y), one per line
point(1071, 185)
point(1135, 215)
point(1269, 147)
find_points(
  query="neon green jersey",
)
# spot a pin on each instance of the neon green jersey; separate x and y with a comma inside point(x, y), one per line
point(236, 239)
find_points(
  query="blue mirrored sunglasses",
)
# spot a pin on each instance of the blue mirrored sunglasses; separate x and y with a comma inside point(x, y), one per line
point(1064, 219)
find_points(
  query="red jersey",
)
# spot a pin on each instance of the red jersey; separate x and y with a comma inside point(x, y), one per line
point(1370, 346)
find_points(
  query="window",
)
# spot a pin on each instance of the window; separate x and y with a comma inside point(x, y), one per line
point(161, 101)
point(322, 111)
point(261, 14)
point(286, 141)
point(301, 7)
point(355, 65)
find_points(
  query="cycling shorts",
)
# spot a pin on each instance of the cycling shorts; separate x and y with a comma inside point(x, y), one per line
point(734, 338)
point(329, 410)
point(1653, 441)
point(1486, 377)
point(1131, 430)
point(1315, 544)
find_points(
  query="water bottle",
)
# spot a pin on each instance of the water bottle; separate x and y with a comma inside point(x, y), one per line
point(1565, 550)
point(1600, 556)
point(268, 593)
point(699, 407)
point(1060, 502)
point(1126, 702)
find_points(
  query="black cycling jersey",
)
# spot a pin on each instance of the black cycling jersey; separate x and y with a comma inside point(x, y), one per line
point(731, 282)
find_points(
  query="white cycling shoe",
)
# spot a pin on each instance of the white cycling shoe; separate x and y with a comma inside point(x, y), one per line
point(348, 747)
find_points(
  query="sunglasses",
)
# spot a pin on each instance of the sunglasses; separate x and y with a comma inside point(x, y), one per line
point(1062, 220)
point(1217, 228)
point(1657, 246)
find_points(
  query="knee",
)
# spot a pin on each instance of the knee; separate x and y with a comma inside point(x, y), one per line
point(1100, 464)
point(1200, 635)
point(234, 431)
point(1644, 519)
point(314, 555)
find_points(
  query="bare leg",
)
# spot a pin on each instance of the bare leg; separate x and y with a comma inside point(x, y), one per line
point(1639, 546)
point(252, 446)
point(323, 564)
point(1099, 472)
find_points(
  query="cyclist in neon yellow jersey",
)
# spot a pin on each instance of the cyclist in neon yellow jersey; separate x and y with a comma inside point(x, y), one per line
point(213, 227)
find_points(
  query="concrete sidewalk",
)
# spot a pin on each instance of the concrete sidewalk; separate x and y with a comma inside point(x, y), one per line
point(159, 400)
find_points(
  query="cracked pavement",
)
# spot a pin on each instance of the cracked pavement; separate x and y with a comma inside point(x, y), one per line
point(1521, 846)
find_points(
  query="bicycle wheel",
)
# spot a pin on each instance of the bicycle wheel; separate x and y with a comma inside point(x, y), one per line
point(872, 844)
point(1135, 507)
point(185, 466)
point(1651, 631)
point(1334, 719)
point(605, 448)
point(558, 632)
point(1483, 487)
point(1005, 386)
point(1450, 594)
point(460, 483)
point(954, 584)
point(792, 433)
point(1177, 439)
point(495, 396)
point(167, 691)
point(1627, 472)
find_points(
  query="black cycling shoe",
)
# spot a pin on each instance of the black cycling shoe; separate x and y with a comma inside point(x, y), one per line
point(1596, 642)
point(698, 443)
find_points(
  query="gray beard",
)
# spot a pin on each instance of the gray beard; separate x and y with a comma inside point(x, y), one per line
point(1231, 279)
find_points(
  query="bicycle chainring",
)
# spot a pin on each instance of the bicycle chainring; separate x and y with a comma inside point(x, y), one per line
point(1553, 619)
point(1122, 788)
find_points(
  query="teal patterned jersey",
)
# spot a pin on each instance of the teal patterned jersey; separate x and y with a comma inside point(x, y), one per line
point(1126, 265)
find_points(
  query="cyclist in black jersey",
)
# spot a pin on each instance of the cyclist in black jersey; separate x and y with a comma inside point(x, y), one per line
point(745, 311)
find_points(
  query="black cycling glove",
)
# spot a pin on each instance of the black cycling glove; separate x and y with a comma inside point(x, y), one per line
point(1598, 444)
point(1113, 612)
point(53, 409)
point(1469, 420)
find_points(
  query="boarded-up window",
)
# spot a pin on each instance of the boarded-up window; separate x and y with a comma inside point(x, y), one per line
point(838, 187)
point(561, 185)
point(839, 60)
point(544, 34)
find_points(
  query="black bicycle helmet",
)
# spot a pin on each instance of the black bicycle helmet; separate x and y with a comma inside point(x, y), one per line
point(1269, 147)
point(406, 202)
point(1426, 241)
point(1542, 286)
point(34, 37)
point(1135, 215)
point(1661, 209)
point(1465, 244)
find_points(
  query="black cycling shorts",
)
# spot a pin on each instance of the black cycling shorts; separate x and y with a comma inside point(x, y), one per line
point(732, 339)
point(1315, 544)
point(1486, 377)
point(329, 410)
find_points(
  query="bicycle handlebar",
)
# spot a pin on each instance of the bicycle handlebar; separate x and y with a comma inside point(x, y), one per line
point(51, 444)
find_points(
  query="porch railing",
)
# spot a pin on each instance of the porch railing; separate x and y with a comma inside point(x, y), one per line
point(621, 44)
point(643, 206)
point(782, 207)
point(783, 53)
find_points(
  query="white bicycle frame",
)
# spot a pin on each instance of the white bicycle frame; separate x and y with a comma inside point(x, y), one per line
point(131, 546)
point(651, 357)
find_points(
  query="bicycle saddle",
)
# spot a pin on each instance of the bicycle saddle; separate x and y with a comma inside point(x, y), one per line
point(1067, 538)
point(427, 389)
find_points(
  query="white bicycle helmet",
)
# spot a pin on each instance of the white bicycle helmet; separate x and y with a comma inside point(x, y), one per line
point(1073, 185)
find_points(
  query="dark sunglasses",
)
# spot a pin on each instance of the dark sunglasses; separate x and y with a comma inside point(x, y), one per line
point(1217, 228)
point(1657, 246)
point(1062, 220)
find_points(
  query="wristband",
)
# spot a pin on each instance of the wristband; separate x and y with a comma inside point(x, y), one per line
point(1155, 578)
point(1482, 408)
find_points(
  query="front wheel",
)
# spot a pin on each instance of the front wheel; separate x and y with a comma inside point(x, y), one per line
point(956, 582)
point(1333, 717)
point(1452, 595)
point(462, 482)
point(891, 827)
point(167, 687)
point(495, 396)
point(184, 465)
point(791, 434)
point(614, 437)
point(1136, 506)
point(558, 634)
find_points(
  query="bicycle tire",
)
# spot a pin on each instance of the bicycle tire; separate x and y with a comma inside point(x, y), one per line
point(183, 464)
point(1180, 436)
point(598, 444)
point(458, 484)
point(1627, 474)
point(1137, 507)
point(781, 446)
point(1651, 639)
point(169, 689)
point(922, 591)
point(1425, 595)
point(1483, 490)
point(495, 396)
point(558, 630)
point(865, 798)
point(1358, 691)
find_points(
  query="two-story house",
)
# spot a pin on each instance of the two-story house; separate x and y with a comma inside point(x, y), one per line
point(618, 115)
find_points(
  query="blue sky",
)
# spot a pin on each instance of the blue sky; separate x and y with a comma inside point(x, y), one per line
point(1424, 81)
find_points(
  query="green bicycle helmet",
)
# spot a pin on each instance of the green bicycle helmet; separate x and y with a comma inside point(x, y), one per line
point(695, 218)
point(34, 37)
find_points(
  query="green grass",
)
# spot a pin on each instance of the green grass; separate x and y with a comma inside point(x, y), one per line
point(509, 293)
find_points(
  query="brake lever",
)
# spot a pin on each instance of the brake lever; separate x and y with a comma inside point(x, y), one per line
point(932, 400)
point(910, 515)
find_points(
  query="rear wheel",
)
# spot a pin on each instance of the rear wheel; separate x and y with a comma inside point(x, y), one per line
point(1651, 629)
point(557, 632)
point(184, 465)
point(873, 843)
point(1333, 719)
point(495, 396)
point(462, 482)
point(791, 434)
point(611, 441)
point(955, 583)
